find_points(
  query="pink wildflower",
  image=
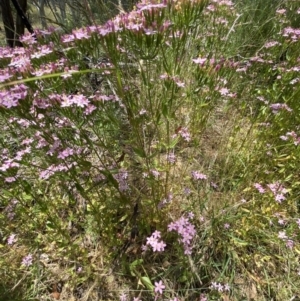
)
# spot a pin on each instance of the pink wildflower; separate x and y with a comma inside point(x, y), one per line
point(12, 239)
point(155, 242)
point(226, 226)
point(224, 91)
point(196, 175)
point(259, 187)
point(159, 287)
point(183, 132)
point(200, 61)
point(27, 260)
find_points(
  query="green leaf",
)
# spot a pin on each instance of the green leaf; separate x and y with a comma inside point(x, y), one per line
point(147, 282)
point(140, 152)
point(86, 164)
point(123, 218)
point(238, 241)
point(165, 109)
point(110, 178)
point(6, 192)
point(133, 266)
point(79, 187)
point(174, 142)
point(26, 197)
point(136, 263)
point(26, 186)
point(50, 225)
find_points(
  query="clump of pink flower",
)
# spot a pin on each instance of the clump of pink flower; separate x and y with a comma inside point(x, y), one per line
point(288, 241)
point(200, 61)
point(226, 226)
point(220, 287)
point(12, 239)
point(278, 191)
point(271, 44)
point(186, 231)
point(292, 33)
point(276, 107)
point(155, 173)
point(184, 133)
point(196, 175)
point(293, 135)
point(155, 242)
point(171, 158)
point(259, 187)
point(27, 260)
point(276, 188)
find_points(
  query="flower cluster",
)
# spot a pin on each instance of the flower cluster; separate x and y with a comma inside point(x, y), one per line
point(176, 79)
point(134, 21)
point(276, 188)
point(10, 98)
point(215, 65)
point(196, 175)
point(155, 242)
point(52, 169)
point(292, 33)
point(271, 44)
point(278, 191)
point(293, 135)
point(220, 287)
point(184, 133)
point(288, 241)
point(186, 231)
point(260, 188)
point(155, 173)
point(27, 260)
point(276, 107)
point(171, 158)
point(12, 239)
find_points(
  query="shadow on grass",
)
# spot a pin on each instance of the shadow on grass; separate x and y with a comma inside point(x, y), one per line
point(8, 295)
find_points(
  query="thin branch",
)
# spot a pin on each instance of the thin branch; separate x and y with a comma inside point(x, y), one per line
point(22, 16)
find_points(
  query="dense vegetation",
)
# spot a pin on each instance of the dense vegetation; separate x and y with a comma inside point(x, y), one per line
point(154, 157)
